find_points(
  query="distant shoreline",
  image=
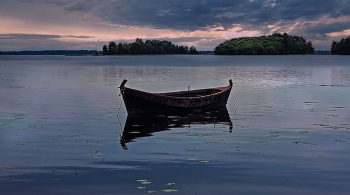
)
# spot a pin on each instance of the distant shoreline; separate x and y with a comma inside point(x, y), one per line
point(91, 53)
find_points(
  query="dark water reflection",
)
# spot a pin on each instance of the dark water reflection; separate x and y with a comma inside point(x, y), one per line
point(61, 124)
point(145, 125)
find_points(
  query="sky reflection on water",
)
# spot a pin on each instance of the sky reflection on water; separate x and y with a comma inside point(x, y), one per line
point(61, 121)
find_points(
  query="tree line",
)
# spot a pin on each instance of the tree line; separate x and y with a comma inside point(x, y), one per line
point(275, 44)
point(342, 47)
point(148, 47)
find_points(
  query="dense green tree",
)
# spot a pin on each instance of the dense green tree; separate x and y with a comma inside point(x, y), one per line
point(342, 47)
point(275, 44)
point(122, 48)
point(105, 50)
point(112, 48)
point(148, 47)
point(135, 48)
point(334, 48)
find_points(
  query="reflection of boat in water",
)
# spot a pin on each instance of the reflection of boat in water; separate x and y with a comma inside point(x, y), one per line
point(145, 125)
point(137, 102)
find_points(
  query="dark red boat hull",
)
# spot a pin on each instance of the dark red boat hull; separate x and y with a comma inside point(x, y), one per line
point(137, 102)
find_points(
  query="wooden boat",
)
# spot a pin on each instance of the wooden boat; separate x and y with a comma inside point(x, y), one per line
point(137, 102)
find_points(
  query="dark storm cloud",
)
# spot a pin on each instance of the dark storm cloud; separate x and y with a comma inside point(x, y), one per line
point(198, 14)
point(299, 17)
point(201, 14)
point(329, 28)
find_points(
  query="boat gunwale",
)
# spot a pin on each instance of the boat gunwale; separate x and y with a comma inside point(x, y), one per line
point(167, 94)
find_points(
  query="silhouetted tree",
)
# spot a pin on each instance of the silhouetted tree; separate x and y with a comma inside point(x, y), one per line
point(148, 47)
point(342, 47)
point(104, 50)
point(112, 48)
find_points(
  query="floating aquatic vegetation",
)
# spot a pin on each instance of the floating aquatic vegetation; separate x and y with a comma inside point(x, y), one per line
point(19, 114)
point(273, 136)
point(24, 144)
point(332, 115)
point(235, 147)
point(5, 124)
point(304, 131)
point(174, 117)
point(98, 143)
point(169, 184)
point(170, 190)
point(141, 187)
point(172, 140)
point(258, 141)
point(210, 142)
point(322, 125)
point(95, 154)
point(205, 161)
point(275, 132)
point(81, 141)
point(9, 167)
point(60, 136)
point(337, 140)
point(199, 134)
point(141, 180)
point(191, 148)
point(304, 143)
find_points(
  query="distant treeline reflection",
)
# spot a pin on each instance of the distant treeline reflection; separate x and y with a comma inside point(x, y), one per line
point(148, 47)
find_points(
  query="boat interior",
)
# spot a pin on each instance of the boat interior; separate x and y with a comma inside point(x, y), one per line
point(195, 93)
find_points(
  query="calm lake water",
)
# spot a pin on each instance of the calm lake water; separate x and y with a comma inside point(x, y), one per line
point(64, 128)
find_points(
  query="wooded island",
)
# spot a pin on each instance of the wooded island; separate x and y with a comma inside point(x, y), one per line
point(149, 47)
point(275, 44)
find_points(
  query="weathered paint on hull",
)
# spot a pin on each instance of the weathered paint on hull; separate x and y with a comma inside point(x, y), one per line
point(137, 102)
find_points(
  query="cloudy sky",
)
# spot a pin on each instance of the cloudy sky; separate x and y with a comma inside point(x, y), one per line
point(89, 24)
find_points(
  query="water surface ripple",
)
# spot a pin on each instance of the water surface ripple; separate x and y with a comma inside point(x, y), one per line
point(64, 127)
